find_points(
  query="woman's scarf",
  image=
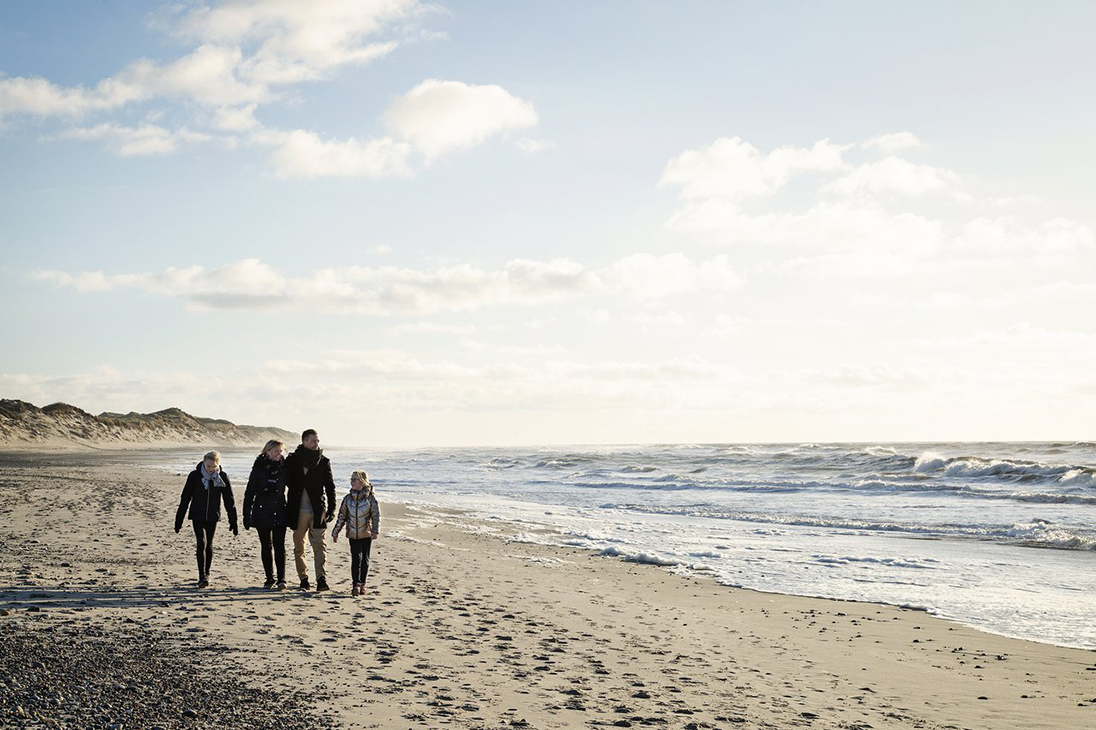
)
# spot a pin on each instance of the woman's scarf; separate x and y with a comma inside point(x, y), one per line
point(273, 471)
point(273, 468)
point(307, 457)
point(215, 477)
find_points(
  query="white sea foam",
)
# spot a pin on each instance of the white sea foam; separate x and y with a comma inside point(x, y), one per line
point(949, 527)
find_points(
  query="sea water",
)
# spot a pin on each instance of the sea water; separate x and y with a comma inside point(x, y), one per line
point(999, 536)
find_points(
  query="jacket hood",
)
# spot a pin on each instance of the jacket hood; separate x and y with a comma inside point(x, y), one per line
point(264, 461)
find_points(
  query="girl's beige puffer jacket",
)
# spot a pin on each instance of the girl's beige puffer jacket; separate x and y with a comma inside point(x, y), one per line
point(360, 513)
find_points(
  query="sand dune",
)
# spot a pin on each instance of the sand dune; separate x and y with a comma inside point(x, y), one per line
point(62, 427)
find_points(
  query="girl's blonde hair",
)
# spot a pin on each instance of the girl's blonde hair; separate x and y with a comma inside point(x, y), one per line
point(271, 444)
point(362, 477)
point(213, 456)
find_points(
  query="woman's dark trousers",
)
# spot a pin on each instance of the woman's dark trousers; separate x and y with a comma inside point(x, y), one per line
point(203, 548)
point(359, 559)
point(272, 543)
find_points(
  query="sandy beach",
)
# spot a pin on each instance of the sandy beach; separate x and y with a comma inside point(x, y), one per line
point(461, 627)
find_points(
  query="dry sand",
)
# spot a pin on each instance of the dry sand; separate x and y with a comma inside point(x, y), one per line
point(463, 627)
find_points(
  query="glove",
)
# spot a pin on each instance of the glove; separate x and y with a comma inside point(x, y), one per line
point(177, 528)
point(235, 529)
point(247, 524)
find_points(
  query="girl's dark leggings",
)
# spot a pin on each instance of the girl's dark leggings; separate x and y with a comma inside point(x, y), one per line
point(359, 559)
point(272, 547)
point(203, 538)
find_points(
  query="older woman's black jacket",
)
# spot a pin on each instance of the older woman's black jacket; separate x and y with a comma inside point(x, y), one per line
point(205, 504)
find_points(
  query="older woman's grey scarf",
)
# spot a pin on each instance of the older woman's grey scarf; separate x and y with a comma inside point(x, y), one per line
point(215, 477)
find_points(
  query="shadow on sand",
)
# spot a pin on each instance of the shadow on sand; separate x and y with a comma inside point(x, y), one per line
point(106, 597)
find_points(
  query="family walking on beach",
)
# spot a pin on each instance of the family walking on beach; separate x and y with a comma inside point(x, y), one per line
point(309, 507)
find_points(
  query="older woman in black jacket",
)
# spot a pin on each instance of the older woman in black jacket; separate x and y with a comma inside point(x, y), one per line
point(206, 487)
point(265, 509)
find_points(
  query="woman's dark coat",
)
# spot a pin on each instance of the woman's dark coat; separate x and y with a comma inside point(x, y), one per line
point(205, 504)
point(264, 498)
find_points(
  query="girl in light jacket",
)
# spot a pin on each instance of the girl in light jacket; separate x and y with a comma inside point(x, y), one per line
point(362, 516)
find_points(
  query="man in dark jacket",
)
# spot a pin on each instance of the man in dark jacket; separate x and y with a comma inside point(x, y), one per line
point(310, 477)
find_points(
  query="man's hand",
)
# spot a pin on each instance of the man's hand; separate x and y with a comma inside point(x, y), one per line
point(177, 528)
point(375, 535)
point(235, 530)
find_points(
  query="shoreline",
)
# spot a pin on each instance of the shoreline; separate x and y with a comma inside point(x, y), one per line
point(683, 570)
point(465, 628)
point(561, 537)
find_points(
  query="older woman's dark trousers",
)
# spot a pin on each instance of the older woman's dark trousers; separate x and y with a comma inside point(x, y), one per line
point(203, 544)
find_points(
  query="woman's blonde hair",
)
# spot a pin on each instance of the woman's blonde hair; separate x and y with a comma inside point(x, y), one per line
point(271, 444)
point(362, 477)
point(213, 456)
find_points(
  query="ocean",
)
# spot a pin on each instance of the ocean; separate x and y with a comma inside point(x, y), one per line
point(999, 536)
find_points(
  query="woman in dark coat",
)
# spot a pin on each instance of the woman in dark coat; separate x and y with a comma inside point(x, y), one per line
point(206, 487)
point(265, 509)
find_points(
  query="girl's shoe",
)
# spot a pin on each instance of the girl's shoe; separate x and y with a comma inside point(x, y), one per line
point(354, 590)
point(281, 585)
point(269, 583)
point(203, 582)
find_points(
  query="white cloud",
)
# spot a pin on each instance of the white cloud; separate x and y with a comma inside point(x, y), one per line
point(305, 154)
point(148, 139)
point(252, 284)
point(295, 41)
point(885, 218)
point(671, 318)
point(1007, 235)
point(37, 96)
point(395, 382)
point(433, 328)
point(892, 142)
point(243, 55)
point(1034, 350)
point(893, 175)
point(235, 119)
point(242, 49)
point(647, 276)
point(830, 225)
point(433, 118)
point(207, 75)
point(733, 169)
point(441, 116)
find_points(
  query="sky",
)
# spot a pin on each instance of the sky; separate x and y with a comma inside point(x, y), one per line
point(441, 224)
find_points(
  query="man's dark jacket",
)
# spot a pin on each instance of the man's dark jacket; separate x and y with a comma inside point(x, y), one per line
point(310, 472)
